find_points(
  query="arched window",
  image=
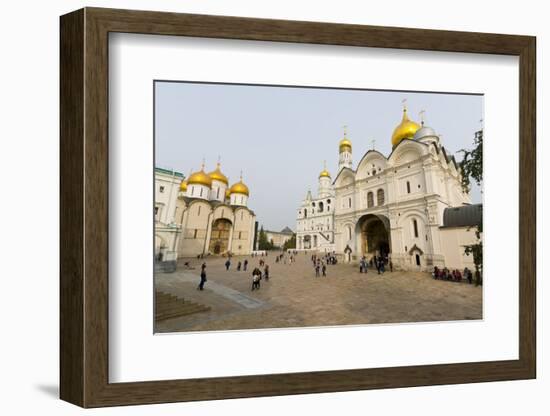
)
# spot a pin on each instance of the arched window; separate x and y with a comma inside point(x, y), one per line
point(349, 233)
point(349, 202)
point(415, 228)
point(305, 213)
point(380, 197)
point(408, 187)
point(370, 200)
point(321, 206)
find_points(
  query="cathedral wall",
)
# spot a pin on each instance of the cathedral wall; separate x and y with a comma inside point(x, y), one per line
point(453, 241)
point(414, 231)
point(410, 184)
point(195, 229)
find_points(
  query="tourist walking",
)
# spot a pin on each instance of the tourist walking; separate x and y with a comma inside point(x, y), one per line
point(239, 266)
point(245, 264)
point(227, 264)
point(203, 280)
point(266, 272)
point(324, 269)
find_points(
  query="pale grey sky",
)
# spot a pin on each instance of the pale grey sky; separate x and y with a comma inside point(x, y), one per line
point(279, 136)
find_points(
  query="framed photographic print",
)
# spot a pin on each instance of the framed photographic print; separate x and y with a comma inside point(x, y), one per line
point(255, 207)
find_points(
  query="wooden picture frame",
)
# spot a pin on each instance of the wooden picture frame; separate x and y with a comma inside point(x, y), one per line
point(84, 207)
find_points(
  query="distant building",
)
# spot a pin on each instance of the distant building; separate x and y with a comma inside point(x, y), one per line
point(167, 230)
point(279, 238)
point(409, 207)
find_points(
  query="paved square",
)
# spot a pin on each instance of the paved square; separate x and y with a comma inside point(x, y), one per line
point(294, 297)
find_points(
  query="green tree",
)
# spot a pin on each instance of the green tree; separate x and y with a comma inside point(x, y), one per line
point(290, 243)
point(263, 243)
point(471, 168)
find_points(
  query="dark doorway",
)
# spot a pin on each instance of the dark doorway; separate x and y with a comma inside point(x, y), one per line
point(374, 236)
point(219, 239)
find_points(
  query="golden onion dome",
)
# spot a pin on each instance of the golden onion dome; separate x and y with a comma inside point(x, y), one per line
point(345, 145)
point(183, 186)
point(200, 178)
point(239, 188)
point(405, 130)
point(324, 173)
point(217, 175)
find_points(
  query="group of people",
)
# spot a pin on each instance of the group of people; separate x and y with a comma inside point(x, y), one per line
point(281, 258)
point(320, 264)
point(378, 262)
point(257, 276)
point(452, 275)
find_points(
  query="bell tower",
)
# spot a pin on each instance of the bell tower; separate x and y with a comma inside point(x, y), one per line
point(344, 147)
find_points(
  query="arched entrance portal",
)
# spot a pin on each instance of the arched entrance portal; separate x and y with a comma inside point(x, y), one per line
point(374, 238)
point(219, 237)
point(307, 242)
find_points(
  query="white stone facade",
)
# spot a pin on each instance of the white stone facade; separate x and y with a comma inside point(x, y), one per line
point(392, 206)
point(201, 215)
point(167, 230)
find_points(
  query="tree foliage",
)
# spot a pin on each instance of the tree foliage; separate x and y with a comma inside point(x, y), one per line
point(472, 163)
point(290, 243)
point(263, 242)
point(472, 169)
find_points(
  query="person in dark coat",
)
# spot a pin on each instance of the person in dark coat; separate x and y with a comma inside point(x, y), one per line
point(227, 264)
point(245, 264)
point(203, 280)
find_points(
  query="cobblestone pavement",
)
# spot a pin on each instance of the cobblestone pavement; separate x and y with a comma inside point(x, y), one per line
point(294, 297)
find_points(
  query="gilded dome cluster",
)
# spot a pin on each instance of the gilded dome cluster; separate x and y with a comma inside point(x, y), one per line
point(206, 179)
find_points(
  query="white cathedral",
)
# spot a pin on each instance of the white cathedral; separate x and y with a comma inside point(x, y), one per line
point(200, 215)
point(408, 206)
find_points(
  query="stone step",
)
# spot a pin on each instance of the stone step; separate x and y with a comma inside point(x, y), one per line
point(176, 314)
point(174, 307)
point(169, 306)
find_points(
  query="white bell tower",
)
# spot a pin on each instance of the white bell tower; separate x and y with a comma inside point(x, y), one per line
point(344, 147)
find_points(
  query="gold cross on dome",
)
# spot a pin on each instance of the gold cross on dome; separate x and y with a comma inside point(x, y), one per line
point(345, 127)
point(373, 142)
point(404, 102)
